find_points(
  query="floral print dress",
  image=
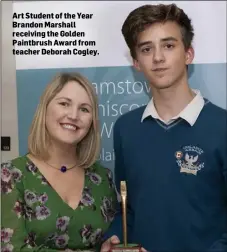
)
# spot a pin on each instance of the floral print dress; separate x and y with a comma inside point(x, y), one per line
point(35, 218)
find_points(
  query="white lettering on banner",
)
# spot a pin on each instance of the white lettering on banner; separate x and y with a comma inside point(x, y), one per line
point(105, 130)
point(116, 109)
point(107, 156)
point(122, 87)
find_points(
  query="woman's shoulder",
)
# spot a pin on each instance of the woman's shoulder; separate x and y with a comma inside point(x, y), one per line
point(15, 163)
point(12, 174)
point(15, 167)
point(97, 167)
point(100, 172)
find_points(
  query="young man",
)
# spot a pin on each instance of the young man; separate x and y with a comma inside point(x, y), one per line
point(172, 153)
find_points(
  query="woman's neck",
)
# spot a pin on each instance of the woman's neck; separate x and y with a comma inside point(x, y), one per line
point(60, 155)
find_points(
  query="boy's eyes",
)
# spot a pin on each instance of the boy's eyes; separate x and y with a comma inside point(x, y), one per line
point(149, 48)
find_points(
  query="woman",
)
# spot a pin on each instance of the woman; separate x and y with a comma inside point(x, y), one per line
point(57, 197)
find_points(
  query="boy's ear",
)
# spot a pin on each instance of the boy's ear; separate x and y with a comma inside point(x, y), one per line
point(136, 64)
point(190, 53)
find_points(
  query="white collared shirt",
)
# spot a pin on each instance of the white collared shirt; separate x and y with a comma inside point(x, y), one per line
point(190, 113)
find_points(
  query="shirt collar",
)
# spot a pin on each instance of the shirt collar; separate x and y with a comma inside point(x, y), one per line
point(190, 113)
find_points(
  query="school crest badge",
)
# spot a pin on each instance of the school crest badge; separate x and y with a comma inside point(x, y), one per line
point(189, 159)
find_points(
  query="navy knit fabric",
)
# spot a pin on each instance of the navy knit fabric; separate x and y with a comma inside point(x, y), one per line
point(176, 179)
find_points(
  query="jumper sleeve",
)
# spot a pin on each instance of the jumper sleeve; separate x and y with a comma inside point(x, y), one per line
point(119, 175)
point(221, 244)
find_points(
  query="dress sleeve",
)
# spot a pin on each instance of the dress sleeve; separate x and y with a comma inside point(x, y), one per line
point(14, 237)
point(12, 222)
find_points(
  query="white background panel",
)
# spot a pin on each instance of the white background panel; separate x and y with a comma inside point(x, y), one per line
point(209, 20)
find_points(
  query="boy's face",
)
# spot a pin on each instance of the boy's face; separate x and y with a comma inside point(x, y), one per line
point(161, 55)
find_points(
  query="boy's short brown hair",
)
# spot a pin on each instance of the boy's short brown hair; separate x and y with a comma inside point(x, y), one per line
point(141, 18)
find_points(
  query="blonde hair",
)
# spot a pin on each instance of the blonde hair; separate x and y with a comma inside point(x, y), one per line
point(88, 148)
